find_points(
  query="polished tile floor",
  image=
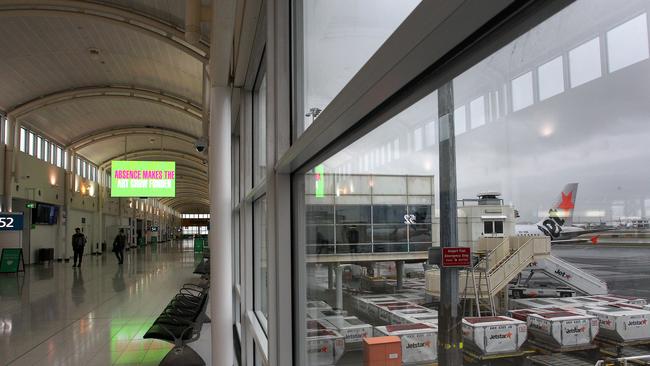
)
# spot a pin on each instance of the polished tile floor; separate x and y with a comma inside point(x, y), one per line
point(96, 315)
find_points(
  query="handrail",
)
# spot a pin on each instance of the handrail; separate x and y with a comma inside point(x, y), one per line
point(492, 252)
point(624, 360)
point(513, 253)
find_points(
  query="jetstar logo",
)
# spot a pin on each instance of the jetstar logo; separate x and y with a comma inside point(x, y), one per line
point(501, 336)
point(567, 202)
point(637, 323)
point(563, 274)
point(576, 330)
point(418, 345)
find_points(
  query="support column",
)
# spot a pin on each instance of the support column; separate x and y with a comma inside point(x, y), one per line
point(68, 189)
point(100, 208)
point(220, 182)
point(399, 274)
point(339, 287)
point(134, 226)
point(12, 127)
point(330, 276)
point(449, 325)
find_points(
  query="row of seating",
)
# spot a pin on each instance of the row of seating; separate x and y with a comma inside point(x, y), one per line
point(181, 322)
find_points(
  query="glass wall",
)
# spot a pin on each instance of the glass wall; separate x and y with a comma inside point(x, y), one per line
point(260, 262)
point(370, 214)
point(552, 191)
point(336, 38)
point(259, 132)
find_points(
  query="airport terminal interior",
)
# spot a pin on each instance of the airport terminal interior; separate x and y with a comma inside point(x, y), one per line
point(324, 182)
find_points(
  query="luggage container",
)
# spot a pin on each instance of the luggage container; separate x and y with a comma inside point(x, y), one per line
point(365, 303)
point(351, 328)
point(405, 316)
point(522, 314)
point(376, 308)
point(562, 330)
point(623, 324)
point(532, 303)
point(419, 341)
point(324, 347)
point(430, 319)
point(386, 312)
point(494, 334)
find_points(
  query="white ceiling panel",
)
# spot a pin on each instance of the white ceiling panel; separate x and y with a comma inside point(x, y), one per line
point(50, 54)
point(72, 120)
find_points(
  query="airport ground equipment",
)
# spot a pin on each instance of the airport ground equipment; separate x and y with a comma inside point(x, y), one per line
point(382, 351)
point(324, 346)
point(419, 341)
point(351, 328)
point(502, 259)
point(568, 275)
point(562, 331)
point(576, 302)
point(559, 359)
point(493, 335)
point(622, 324)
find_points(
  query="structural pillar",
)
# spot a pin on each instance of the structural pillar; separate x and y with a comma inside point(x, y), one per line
point(7, 205)
point(101, 194)
point(134, 226)
point(220, 240)
point(399, 274)
point(339, 287)
point(450, 340)
point(68, 189)
point(330, 276)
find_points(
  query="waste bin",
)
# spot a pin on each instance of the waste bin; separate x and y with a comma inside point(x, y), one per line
point(141, 241)
point(154, 240)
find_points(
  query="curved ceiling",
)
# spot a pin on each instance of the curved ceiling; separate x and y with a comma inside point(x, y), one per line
point(109, 78)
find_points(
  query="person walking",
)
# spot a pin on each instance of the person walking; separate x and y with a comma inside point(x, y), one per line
point(118, 246)
point(78, 244)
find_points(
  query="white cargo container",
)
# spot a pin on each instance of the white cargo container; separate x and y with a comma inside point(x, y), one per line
point(430, 319)
point(562, 329)
point(324, 347)
point(494, 334)
point(623, 324)
point(351, 328)
point(387, 311)
point(522, 314)
point(363, 301)
point(532, 303)
point(419, 341)
point(369, 306)
point(405, 316)
point(378, 309)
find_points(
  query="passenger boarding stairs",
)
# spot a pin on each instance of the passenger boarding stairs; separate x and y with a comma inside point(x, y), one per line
point(503, 259)
point(568, 274)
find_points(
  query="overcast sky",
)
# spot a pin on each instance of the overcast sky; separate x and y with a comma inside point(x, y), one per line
point(566, 102)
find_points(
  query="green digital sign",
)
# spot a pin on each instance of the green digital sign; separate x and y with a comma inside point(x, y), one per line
point(143, 178)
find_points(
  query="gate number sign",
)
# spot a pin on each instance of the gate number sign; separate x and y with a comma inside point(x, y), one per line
point(11, 221)
point(457, 257)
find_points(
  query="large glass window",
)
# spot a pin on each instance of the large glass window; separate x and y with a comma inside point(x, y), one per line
point(260, 261)
point(23, 140)
point(58, 157)
point(560, 109)
point(338, 37)
point(259, 132)
point(31, 144)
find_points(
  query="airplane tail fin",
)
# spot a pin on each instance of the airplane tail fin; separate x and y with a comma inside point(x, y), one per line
point(566, 202)
point(562, 209)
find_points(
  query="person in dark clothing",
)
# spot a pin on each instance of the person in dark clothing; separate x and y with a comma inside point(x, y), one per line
point(78, 244)
point(118, 246)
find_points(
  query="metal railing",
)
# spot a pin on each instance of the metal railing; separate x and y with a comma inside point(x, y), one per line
point(623, 361)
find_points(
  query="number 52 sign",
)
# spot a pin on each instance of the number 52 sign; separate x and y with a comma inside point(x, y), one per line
point(11, 221)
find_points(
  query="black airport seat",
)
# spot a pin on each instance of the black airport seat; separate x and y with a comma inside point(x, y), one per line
point(180, 323)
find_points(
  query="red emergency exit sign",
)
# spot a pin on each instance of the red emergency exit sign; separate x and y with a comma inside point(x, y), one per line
point(457, 257)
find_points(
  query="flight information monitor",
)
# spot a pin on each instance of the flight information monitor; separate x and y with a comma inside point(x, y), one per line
point(143, 178)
